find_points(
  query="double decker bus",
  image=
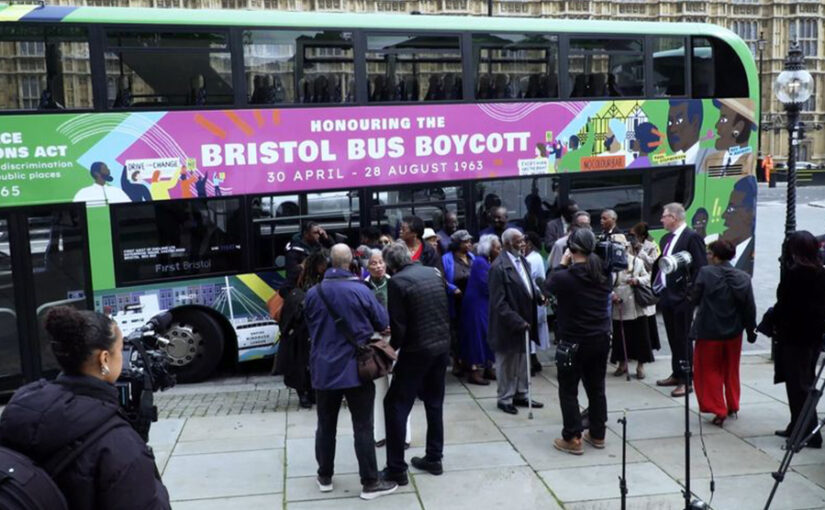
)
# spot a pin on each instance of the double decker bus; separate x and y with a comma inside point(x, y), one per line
point(161, 159)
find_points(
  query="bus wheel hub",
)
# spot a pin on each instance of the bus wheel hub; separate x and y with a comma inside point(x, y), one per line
point(184, 344)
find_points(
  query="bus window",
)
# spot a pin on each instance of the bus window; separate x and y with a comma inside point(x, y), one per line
point(669, 185)
point(277, 218)
point(177, 238)
point(414, 68)
point(712, 58)
point(620, 191)
point(516, 66)
point(298, 67)
point(668, 66)
point(701, 68)
point(430, 204)
point(606, 67)
point(163, 69)
point(45, 68)
point(530, 202)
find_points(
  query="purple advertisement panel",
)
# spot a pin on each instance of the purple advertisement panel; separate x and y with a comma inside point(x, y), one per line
point(105, 158)
point(213, 153)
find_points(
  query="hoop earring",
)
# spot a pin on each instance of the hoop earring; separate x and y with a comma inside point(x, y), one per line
point(735, 133)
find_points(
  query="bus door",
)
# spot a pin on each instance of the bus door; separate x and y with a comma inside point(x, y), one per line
point(44, 263)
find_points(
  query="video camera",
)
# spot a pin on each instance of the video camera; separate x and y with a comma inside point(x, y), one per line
point(613, 256)
point(145, 370)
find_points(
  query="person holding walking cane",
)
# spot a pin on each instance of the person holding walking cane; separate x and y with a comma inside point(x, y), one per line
point(583, 292)
point(631, 334)
point(513, 301)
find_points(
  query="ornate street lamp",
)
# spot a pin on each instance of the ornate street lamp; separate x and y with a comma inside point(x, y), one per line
point(761, 43)
point(792, 88)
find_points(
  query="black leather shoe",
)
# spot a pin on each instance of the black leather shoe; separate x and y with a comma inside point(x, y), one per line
point(508, 408)
point(400, 478)
point(433, 467)
point(523, 403)
point(782, 433)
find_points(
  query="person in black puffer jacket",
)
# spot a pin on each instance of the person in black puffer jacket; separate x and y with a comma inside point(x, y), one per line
point(420, 325)
point(118, 470)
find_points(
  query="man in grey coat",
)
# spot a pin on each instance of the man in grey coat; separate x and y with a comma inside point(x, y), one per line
point(513, 301)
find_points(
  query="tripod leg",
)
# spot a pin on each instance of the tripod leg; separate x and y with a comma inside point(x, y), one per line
point(798, 436)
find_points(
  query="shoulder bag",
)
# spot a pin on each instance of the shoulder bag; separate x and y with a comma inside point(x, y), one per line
point(374, 358)
point(643, 294)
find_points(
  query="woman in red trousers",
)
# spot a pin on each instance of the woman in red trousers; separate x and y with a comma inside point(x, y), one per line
point(724, 297)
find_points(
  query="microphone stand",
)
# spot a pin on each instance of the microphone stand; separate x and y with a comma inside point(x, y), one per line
point(687, 371)
point(623, 478)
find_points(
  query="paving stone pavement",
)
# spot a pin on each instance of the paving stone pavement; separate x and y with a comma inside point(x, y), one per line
point(244, 443)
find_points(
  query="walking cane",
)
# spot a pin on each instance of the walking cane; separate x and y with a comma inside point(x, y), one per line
point(529, 375)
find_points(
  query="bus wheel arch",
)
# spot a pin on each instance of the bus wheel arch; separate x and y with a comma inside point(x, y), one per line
point(198, 342)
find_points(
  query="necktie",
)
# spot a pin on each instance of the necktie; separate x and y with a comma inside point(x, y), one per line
point(522, 274)
point(660, 280)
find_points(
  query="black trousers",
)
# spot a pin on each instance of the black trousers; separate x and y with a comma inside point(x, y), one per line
point(360, 401)
point(590, 368)
point(678, 320)
point(415, 375)
point(799, 367)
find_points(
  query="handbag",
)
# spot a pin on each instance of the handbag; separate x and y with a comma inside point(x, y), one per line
point(374, 358)
point(767, 326)
point(643, 294)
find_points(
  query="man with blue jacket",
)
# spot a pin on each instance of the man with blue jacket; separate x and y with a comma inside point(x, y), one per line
point(334, 371)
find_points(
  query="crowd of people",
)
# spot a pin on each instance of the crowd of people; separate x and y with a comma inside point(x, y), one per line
point(493, 301)
point(488, 304)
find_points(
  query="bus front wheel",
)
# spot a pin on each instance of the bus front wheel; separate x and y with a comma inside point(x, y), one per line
point(195, 345)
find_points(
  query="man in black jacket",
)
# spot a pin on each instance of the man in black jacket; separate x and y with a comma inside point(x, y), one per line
point(312, 239)
point(677, 310)
point(420, 326)
point(513, 300)
point(583, 293)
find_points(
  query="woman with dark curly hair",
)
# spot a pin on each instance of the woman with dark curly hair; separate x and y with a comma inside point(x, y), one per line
point(799, 318)
point(117, 470)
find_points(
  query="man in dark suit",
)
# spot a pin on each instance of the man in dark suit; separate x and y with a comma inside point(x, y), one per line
point(676, 308)
point(513, 300)
point(557, 228)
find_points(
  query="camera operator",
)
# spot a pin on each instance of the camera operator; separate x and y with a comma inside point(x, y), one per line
point(118, 469)
point(583, 293)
